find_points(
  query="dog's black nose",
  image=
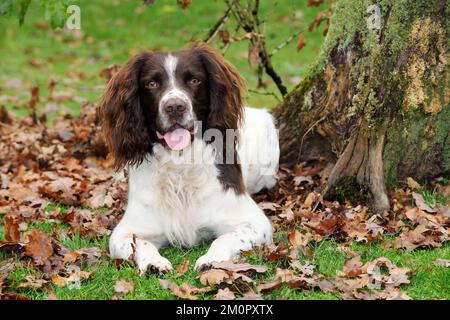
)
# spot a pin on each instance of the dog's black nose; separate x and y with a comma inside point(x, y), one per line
point(174, 107)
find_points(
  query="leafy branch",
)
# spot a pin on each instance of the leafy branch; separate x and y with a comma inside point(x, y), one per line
point(55, 10)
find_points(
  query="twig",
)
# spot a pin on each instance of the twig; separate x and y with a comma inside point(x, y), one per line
point(240, 17)
point(219, 24)
point(260, 75)
point(287, 41)
point(272, 73)
point(251, 24)
point(227, 45)
point(265, 58)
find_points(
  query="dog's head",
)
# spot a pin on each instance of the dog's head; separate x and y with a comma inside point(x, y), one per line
point(156, 98)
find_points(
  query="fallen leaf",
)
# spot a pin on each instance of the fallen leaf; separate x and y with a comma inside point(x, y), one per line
point(185, 291)
point(421, 236)
point(324, 227)
point(184, 3)
point(7, 266)
point(10, 246)
point(314, 3)
point(239, 267)
point(300, 43)
point(62, 95)
point(182, 268)
point(39, 247)
point(299, 240)
point(281, 276)
point(52, 296)
point(224, 294)
point(213, 277)
point(271, 206)
point(37, 63)
point(298, 180)
point(413, 184)
point(310, 199)
point(442, 262)
point(412, 214)
point(269, 285)
point(352, 267)
point(12, 232)
point(305, 269)
point(251, 296)
point(34, 97)
point(421, 204)
point(122, 287)
point(74, 278)
point(32, 282)
point(276, 252)
point(397, 277)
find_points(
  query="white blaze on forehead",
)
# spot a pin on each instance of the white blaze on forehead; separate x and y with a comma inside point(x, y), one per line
point(170, 65)
point(173, 91)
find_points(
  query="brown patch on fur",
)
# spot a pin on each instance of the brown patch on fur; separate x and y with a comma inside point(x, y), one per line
point(123, 121)
point(231, 177)
point(227, 88)
point(226, 108)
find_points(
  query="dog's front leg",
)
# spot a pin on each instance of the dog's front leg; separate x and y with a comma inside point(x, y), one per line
point(229, 245)
point(124, 246)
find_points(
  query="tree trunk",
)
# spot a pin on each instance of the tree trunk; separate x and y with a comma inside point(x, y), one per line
point(376, 100)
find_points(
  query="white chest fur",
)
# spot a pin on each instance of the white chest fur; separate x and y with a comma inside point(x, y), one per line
point(173, 188)
point(176, 196)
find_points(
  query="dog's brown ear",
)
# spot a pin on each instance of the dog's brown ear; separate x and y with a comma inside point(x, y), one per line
point(123, 121)
point(226, 89)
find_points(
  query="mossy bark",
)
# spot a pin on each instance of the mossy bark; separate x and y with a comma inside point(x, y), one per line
point(377, 100)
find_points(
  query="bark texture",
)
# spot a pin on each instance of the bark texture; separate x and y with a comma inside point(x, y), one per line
point(377, 100)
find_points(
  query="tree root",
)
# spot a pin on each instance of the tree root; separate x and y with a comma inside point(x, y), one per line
point(362, 158)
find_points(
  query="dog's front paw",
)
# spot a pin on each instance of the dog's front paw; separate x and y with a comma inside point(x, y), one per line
point(158, 265)
point(204, 262)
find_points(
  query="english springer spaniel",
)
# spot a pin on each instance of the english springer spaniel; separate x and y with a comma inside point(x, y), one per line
point(194, 155)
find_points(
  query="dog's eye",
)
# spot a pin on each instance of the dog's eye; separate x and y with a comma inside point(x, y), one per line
point(194, 81)
point(152, 84)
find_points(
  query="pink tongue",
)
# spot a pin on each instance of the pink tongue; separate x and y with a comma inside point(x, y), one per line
point(177, 139)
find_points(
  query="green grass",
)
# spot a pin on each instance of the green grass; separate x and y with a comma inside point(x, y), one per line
point(427, 280)
point(434, 197)
point(113, 31)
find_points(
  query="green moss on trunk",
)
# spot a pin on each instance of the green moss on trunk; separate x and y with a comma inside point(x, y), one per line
point(391, 81)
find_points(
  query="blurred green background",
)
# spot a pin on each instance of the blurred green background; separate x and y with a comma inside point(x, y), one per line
point(111, 31)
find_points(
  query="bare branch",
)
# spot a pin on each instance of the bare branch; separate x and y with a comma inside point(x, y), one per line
point(252, 25)
point(219, 24)
point(260, 75)
point(265, 58)
point(287, 41)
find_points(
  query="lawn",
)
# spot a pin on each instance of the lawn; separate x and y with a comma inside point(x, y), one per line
point(428, 281)
point(111, 32)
